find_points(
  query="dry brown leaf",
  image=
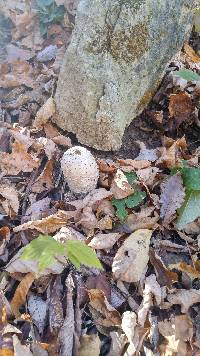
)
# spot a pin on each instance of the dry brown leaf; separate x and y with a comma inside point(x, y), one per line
point(89, 345)
point(186, 298)
point(93, 199)
point(20, 349)
point(152, 289)
point(45, 113)
point(88, 220)
point(188, 269)
point(193, 56)
point(176, 332)
point(170, 154)
point(107, 315)
point(6, 352)
point(66, 333)
point(22, 135)
point(53, 133)
point(105, 223)
point(18, 161)
point(47, 145)
point(172, 196)
point(148, 175)
point(180, 107)
point(9, 199)
point(104, 241)
point(49, 224)
point(62, 141)
point(164, 276)
point(45, 180)
point(21, 292)
point(19, 73)
point(105, 207)
point(120, 187)
point(107, 166)
point(132, 257)
point(141, 220)
point(55, 308)
point(68, 233)
point(4, 238)
point(128, 165)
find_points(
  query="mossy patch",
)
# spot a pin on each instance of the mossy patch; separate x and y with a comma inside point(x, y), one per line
point(128, 46)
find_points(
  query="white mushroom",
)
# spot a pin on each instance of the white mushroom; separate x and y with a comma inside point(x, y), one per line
point(80, 169)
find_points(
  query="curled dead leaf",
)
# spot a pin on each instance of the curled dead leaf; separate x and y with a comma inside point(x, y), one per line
point(45, 180)
point(45, 113)
point(49, 224)
point(21, 292)
point(103, 313)
point(120, 187)
point(18, 161)
point(9, 199)
point(104, 241)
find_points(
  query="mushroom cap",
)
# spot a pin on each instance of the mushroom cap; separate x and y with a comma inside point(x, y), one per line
point(80, 169)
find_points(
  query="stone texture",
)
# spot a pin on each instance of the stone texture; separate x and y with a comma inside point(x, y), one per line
point(116, 59)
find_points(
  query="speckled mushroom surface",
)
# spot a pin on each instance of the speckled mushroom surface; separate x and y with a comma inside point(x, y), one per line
point(80, 169)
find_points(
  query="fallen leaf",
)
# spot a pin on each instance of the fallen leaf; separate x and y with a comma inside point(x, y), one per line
point(146, 154)
point(129, 165)
point(47, 225)
point(107, 166)
point(120, 187)
point(170, 154)
point(88, 221)
point(152, 289)
point(171, 344)
point(55, 308)
point(9, 199)
point(172, 196)
point(164, 276)
point(47, 145)
point(18, 161)
point(45, 113)
point(141, 220)
point(186, 298)
point(132, 257)
point(92, 199)
point(104, 241)
point(37, 308)
point(4, 238)
point(180, 107)
point(17, 265)
point(20, 349)
point(19, 73)
point(188, 269)
point(89, 345)
point(148, 175)
point(66, 332)
point(191, 53)
point(129, 322)
point(106, 316)
point(21, 292)
point(45, 180)
point(105, 223)
point(16, 53)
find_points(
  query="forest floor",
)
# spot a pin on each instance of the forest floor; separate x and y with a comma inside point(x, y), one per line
point(143, 219)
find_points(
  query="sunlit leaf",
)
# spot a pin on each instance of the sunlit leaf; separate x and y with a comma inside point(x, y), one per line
point(43, 249)
point(188, 74)
point(80, 254)
point(190, 210)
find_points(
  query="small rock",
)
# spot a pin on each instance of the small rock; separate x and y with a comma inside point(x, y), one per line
point(47, 54)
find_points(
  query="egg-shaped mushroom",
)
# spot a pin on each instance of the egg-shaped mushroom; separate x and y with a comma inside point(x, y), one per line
point(80, 169)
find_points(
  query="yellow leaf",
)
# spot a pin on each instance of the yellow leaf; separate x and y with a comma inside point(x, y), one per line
point(21, 293)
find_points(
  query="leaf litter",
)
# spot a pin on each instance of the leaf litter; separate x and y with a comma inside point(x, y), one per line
point(142, 219)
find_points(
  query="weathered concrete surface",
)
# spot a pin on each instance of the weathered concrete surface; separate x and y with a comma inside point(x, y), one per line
point(115, 61)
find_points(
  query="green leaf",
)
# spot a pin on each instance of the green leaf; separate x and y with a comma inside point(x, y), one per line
point(190, 209)
point(43, 249)
point(188, 74)
point(191, 178)
point(135, 199)
point(131, 177)
point(120, 205)
point(81, 254)
point(131, 202)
